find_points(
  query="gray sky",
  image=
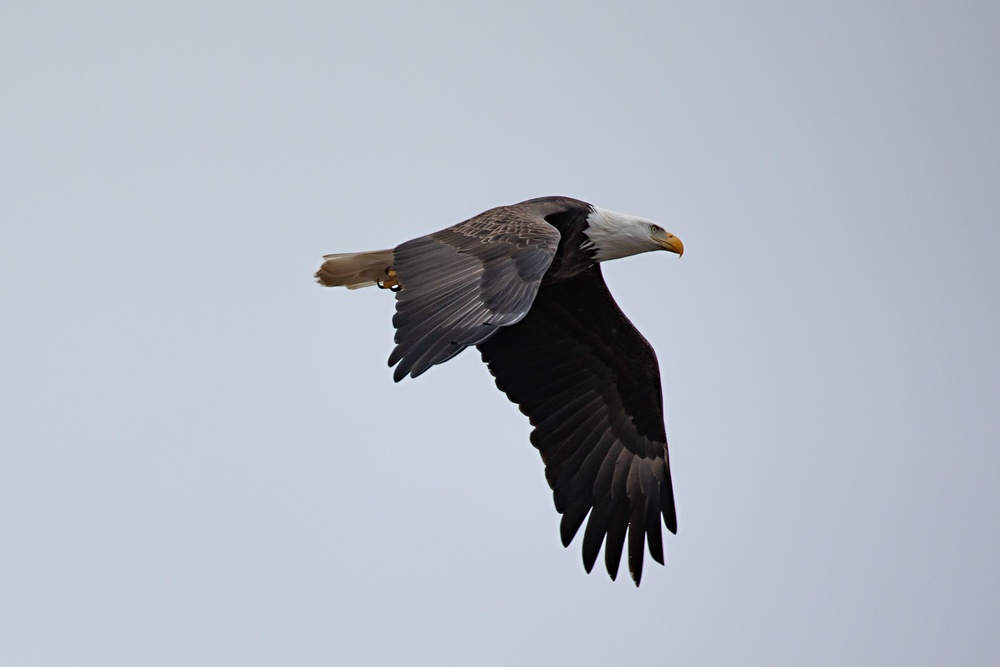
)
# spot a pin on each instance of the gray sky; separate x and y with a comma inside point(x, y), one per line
point(203, 457)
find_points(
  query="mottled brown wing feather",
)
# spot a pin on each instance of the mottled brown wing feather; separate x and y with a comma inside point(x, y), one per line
point(590, 385)
point(460, 285)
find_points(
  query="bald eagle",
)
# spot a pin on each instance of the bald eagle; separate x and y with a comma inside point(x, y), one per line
point(523, 284)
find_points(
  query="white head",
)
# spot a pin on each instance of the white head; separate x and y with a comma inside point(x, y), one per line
point(614, 235)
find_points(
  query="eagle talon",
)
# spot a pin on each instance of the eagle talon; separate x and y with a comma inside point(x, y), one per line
point(391, 283)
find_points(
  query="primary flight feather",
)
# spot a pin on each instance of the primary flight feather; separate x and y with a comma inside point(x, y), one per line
point(523, 284)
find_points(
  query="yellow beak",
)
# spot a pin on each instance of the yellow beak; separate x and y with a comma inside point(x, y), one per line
point(668, 241)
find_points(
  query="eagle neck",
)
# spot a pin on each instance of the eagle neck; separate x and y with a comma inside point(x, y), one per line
point(574, 254)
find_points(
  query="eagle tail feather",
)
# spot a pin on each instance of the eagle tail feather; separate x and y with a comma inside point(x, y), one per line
point(354, 270)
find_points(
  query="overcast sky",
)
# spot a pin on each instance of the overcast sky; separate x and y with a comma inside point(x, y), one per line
point(204, 459)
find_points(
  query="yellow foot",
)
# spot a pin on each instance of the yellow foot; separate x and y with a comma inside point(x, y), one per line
point(391, 282)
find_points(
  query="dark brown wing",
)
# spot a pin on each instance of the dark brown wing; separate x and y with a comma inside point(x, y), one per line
point(460, 285)
point(590, 384)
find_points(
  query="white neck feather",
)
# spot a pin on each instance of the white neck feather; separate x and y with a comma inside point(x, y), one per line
point(614, 235)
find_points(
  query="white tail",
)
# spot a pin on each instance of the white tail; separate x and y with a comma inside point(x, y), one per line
point(354, 269)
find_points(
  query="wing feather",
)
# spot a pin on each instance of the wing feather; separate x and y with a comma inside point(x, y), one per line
point(590, 385)
point(460, 285)
point(579, 499)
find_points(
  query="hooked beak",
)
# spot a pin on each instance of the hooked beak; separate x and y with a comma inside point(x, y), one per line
point(669, 242)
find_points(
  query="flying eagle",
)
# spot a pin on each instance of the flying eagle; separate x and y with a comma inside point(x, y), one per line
point(523, 284)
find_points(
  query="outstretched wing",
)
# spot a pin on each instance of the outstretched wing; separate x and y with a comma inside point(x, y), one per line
point(459, 285)
point(590, 385)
